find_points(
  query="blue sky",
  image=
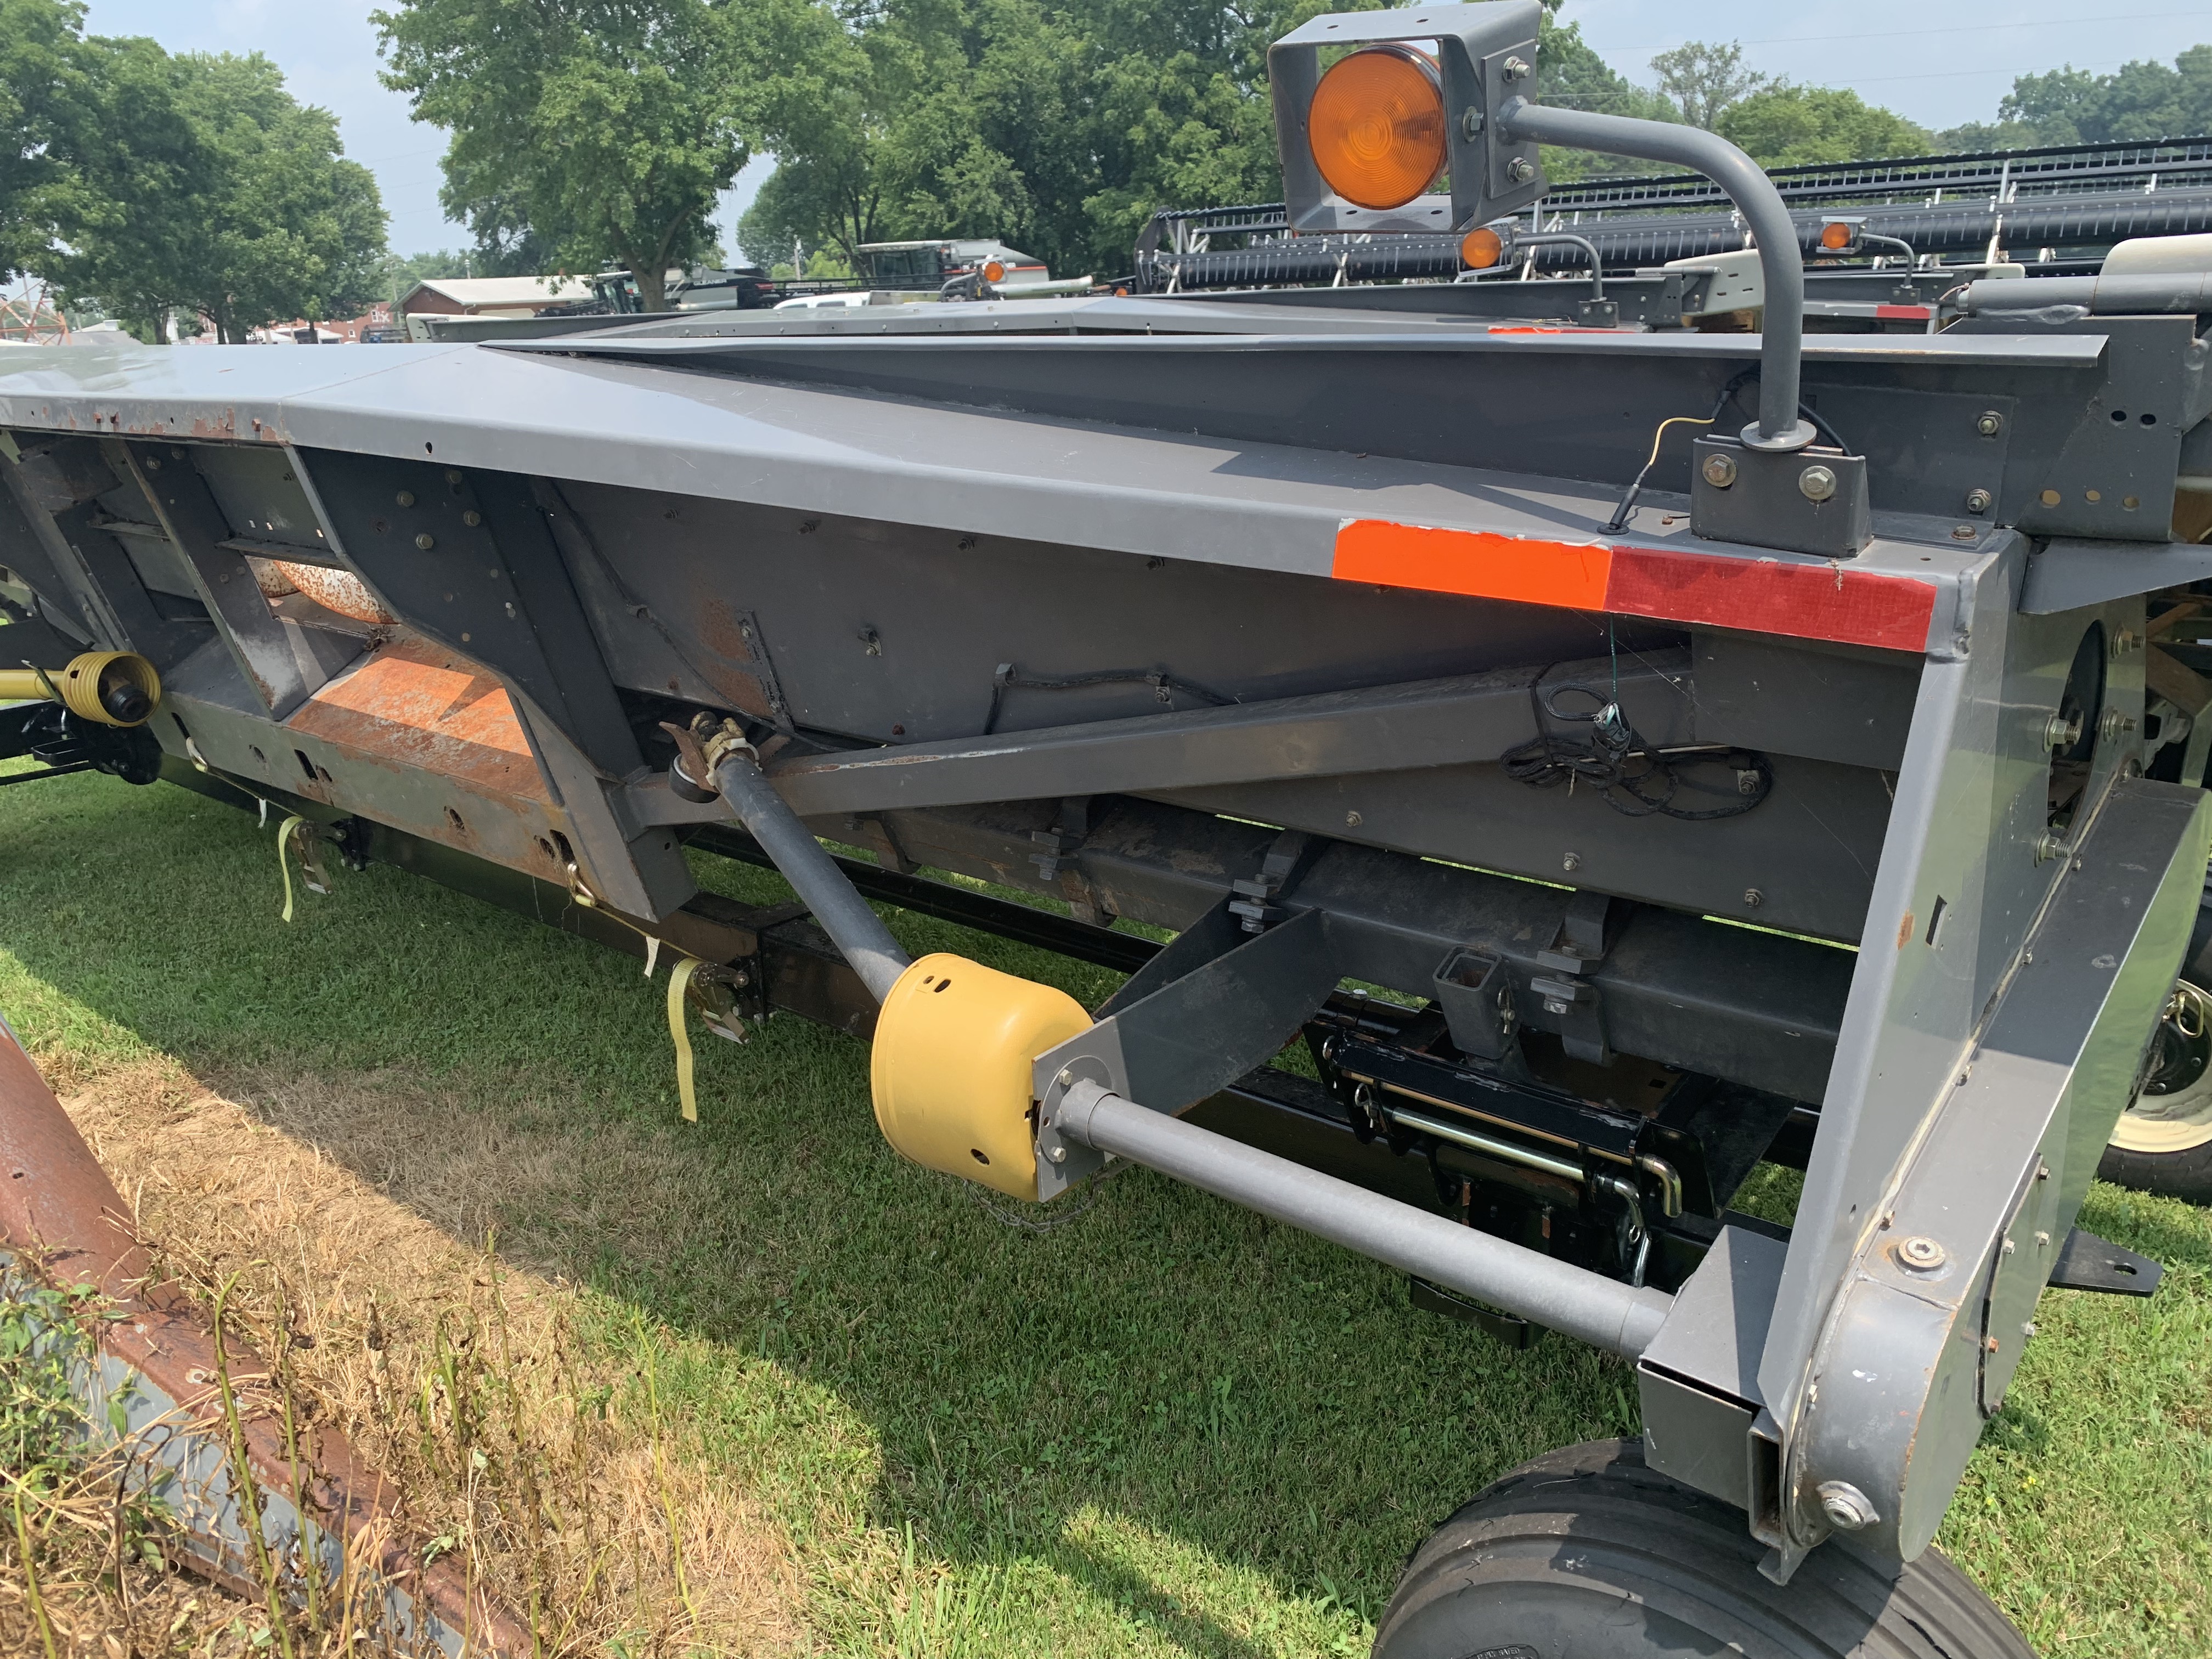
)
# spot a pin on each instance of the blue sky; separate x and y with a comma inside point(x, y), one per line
point(1889, 50)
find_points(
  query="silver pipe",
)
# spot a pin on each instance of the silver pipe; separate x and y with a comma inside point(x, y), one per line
point(1591, 1309)
point(1781, 262)
point(855, 929)
point(1489, 1145)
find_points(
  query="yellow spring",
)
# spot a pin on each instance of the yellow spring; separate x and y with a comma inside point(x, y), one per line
point(110, 688)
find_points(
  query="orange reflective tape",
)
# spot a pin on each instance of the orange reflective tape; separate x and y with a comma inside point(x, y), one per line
point(1474, 563)
point(1762, 595)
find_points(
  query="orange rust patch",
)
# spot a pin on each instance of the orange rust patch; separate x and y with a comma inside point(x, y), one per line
point(414, 706)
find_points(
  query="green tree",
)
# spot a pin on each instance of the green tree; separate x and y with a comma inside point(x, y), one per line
point(1786, 125)
point(2141, 99)
point(1569, 73)
point(1702, 80)
point(605, 127)
point(198, 183)
point(41, 72)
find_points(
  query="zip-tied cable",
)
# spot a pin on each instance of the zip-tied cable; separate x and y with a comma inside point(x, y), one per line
point(1636, 778)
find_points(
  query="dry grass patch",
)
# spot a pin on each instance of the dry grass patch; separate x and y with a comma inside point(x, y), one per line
point(549, 1460)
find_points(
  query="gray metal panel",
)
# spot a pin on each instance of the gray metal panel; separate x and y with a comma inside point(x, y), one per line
point(1918, 1352)
point(1801, 697)
point(2071, 575)
point(1698, 1381)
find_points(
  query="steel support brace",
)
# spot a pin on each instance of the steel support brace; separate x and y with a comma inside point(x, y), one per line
point(1601, 1311)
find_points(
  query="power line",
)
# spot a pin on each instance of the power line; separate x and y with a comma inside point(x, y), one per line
point(1907, 34)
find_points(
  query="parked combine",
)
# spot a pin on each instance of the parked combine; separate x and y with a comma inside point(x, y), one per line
point(1700, 747)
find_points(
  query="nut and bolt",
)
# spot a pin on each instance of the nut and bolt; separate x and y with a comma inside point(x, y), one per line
point(1572, 862)
point(1754, 897)
point(1978, 500)
point(1921, 1253)
point(1521, 170)
point(1517, 69)
point(1720, 471)
point(2113, 723)
point(1989, 423)
point(2049, 846)
point(2061, 732)
point(1057, 1154)
point(1471, 123)
point(1845, 1506)
point(426, 541)
point(1816, 483)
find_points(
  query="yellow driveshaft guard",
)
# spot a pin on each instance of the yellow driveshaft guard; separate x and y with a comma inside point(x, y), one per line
point(950, 1072)
point(83, 687)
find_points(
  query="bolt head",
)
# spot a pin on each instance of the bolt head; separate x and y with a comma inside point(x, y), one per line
point(1816, 483)
point(1057, 1154)
point(1978, 500)
point(1066, 1078)
point(1471, 123)
point(1846, 1507)
point(426, 541)
point(1720, 471)
point(405, 498)
point(1990, 423)
point(1572, 862)
point(1754, 897)
point(1517, 69)
point(1519, 170)
point(1921, 1252)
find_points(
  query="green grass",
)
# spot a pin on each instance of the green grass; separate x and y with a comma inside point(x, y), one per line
point(1167, 1428)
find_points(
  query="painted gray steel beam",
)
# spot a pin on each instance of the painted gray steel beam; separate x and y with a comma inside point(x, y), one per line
point(1470, 717)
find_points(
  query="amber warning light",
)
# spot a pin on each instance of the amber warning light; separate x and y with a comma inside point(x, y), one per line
point(1376, 125)
point(1479, 250)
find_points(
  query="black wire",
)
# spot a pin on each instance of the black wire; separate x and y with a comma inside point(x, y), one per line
point(1635, 778)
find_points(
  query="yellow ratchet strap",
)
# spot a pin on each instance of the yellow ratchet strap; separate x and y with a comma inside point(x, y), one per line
point(285, 833)
point(679, 981)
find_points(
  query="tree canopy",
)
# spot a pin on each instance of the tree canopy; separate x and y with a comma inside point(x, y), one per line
point(591, 133)
point(2067, 105)
point(154, 183)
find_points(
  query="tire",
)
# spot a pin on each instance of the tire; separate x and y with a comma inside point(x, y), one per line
point(2163, 1142)
point(1587, 1553)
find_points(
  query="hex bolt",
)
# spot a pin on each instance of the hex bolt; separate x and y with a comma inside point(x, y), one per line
point(1990, 423)
point(153, 464)
point(1352, 820)
point(2028, 1329)
point(1517, 69)
point(1816, 483)
point(472, 518)
point(1572, 862)
point(1057, 1154)
point(1720, 471)
point(1978, 500)
point(1066, 1078)
point(426, 541)
point(1519, 170)
point(2109, 727)
point(1471, 123)
point(1845, 1506)
point(2060, 731)
point(2050, 845)
point(1754, 897)
point(1921, 1253)
point(405, 498)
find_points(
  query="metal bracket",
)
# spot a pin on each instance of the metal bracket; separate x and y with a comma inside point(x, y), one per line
point(1568, 996)
point(1801, 500)
point(2087, 1263)
point(1256, 898)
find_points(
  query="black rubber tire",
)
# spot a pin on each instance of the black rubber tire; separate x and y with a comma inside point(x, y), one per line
point(1589, 1554)
point(2186, 1175)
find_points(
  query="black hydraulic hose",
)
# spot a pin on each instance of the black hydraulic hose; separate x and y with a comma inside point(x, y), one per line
point(856, 930)
point(1781, 262)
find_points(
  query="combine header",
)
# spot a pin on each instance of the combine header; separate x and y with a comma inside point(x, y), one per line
point(1719, 747)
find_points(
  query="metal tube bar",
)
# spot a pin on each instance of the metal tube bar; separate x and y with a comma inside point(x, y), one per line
point(1560, 238)
point(1490, 1146)
point(1781, 264)
point(801, 860)
point(1601, 1311)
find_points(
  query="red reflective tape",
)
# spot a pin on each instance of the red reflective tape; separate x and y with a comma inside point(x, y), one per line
point(1768, 596)
point(1807, 601)
point(1474, 563)
point(1903, 313)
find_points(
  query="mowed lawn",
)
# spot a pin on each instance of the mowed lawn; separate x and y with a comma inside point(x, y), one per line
point(1165, 1427)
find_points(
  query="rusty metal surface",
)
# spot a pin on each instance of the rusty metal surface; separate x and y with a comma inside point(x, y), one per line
point(59, 1212)
point(334, 590)
point(411, 705)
